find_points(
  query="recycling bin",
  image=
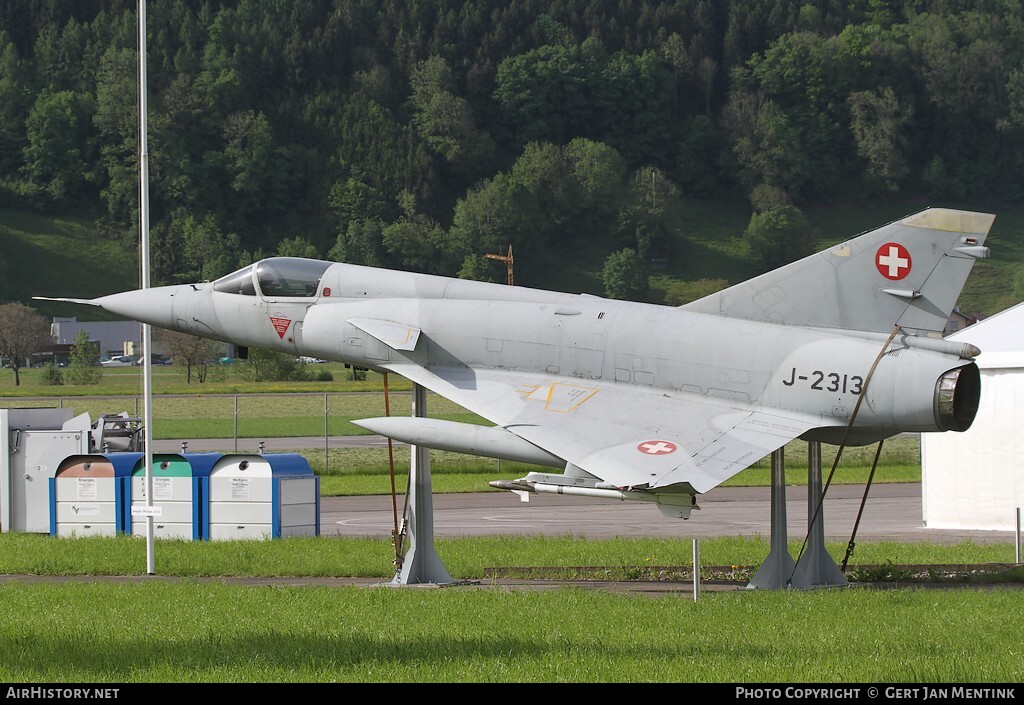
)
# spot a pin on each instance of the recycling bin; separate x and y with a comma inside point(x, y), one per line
point(178, 489)
point(271, 495)
point(87, 494)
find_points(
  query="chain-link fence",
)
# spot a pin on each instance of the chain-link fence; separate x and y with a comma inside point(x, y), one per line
point(245, 422)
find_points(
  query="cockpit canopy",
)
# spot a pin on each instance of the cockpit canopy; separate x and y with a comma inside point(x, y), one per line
point(276, 277)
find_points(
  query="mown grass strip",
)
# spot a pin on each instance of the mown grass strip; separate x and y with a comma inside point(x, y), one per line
point(209, 632)
point(465, 558)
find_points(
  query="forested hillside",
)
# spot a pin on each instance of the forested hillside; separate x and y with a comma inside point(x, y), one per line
point(423, 134)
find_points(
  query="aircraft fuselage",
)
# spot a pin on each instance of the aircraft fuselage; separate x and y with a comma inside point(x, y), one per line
point(814, 372)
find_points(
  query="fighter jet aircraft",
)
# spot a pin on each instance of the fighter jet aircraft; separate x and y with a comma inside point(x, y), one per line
point(630, 400)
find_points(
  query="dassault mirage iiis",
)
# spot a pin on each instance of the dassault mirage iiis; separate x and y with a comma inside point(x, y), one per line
point(630, 400)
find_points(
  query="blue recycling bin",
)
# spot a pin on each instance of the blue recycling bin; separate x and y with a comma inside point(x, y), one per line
point(270, 495)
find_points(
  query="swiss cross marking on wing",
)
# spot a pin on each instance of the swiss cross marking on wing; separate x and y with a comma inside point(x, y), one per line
point(657, 447)
point(893, 261)
point(280, 325)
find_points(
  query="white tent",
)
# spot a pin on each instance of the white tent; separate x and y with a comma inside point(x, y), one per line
point(975, 479)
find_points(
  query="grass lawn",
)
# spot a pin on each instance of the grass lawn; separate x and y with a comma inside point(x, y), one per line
point(201, 632)
point(197, 630)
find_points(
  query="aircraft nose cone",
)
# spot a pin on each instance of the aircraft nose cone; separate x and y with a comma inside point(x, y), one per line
point(154, 306)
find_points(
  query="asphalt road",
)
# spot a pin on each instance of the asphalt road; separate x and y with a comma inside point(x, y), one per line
point(271, 445)
point(892, 512)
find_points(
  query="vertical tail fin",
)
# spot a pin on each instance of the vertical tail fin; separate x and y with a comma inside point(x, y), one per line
point(907, 273)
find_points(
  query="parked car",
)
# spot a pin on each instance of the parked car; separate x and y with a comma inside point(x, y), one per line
point(117, 361)
point(155, 359)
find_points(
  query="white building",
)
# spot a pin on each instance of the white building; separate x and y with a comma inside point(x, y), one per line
point(975, 479)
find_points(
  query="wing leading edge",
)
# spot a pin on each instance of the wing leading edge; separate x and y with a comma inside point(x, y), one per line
point(628, 437)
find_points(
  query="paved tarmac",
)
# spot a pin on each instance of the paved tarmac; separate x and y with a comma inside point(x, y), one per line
point(893, 513)
point(270, 445)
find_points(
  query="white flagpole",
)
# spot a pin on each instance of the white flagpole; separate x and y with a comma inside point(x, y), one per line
point(147, 372)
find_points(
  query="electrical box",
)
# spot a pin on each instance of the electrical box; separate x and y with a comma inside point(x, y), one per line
point(33, 442)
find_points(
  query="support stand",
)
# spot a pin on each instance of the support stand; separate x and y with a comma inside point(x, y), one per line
point(421, 564)
point(775, 572)
point(815, 568)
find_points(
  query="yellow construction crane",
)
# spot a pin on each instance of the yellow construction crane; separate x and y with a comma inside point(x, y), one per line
point(507, 259)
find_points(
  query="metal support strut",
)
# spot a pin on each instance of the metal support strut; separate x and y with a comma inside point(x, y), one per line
point(815, 567)
point(421, 564)
point(774, 573)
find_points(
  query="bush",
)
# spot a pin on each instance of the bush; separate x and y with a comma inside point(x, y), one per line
point(271, 366)
point(51, 376)
point(625, 275)
point(779, 236)
point(324, 376)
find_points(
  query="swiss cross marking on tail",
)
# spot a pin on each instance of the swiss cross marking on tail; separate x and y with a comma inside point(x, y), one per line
point(656, 447)
point(280, 325)
point(893, 261)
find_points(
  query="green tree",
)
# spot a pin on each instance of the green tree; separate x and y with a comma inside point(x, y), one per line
point(938, 182)
point(494, 214)
point(444, 119)
point(297, 246)
point(362, 242)
point(207, 252)
point(193, 353)
point(547, 93)
point(385, 153)
point(635, 110)
point(878, 123)
point(83, 367)
point(700, 168)
point(478, 268)
point(416, 241)
point(650, 214)
point(22, 333)
point(353, 198)
point(766, 144)
point(60, 143)
point(14, 105)
point(625, 275)
point(786, 115)
point(599, 172)
point(779, 236)
point(117, 120)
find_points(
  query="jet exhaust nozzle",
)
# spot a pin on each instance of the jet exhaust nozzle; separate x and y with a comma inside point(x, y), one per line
point(957, 397)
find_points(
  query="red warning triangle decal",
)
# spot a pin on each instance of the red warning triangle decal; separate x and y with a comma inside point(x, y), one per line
point(280, 325)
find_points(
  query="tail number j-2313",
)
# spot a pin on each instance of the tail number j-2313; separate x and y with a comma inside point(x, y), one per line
point(828, 381)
